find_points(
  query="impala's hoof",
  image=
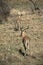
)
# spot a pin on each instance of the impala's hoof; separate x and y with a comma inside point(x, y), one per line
point(20, 51)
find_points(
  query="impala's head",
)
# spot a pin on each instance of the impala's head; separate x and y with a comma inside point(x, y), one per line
point(23, 34)
point(23, 31)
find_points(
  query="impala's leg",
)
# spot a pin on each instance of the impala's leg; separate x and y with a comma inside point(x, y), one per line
point(27, 47)
point(25, 53)
point(24, 47)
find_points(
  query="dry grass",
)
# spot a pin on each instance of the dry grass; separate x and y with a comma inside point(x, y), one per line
point(10, 41)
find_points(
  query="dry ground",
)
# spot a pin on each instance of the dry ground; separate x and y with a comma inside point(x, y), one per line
point(10, 41)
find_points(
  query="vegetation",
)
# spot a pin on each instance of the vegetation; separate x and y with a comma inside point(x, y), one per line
point(11, 46)
point(4, 10)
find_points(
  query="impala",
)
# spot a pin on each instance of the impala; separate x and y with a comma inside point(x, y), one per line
point(25, 41)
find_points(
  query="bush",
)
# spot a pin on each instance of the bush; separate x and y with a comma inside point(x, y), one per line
point(4, 10)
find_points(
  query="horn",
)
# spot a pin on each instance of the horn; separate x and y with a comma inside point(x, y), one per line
point(26, 28)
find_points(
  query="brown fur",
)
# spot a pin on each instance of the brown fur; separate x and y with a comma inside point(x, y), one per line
point(25, 41)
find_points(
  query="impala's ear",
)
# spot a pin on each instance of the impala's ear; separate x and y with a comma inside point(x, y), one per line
point(21, 32)
point(26, 28)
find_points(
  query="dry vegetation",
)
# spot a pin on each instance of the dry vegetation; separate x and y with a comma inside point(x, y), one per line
point(10, 40)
